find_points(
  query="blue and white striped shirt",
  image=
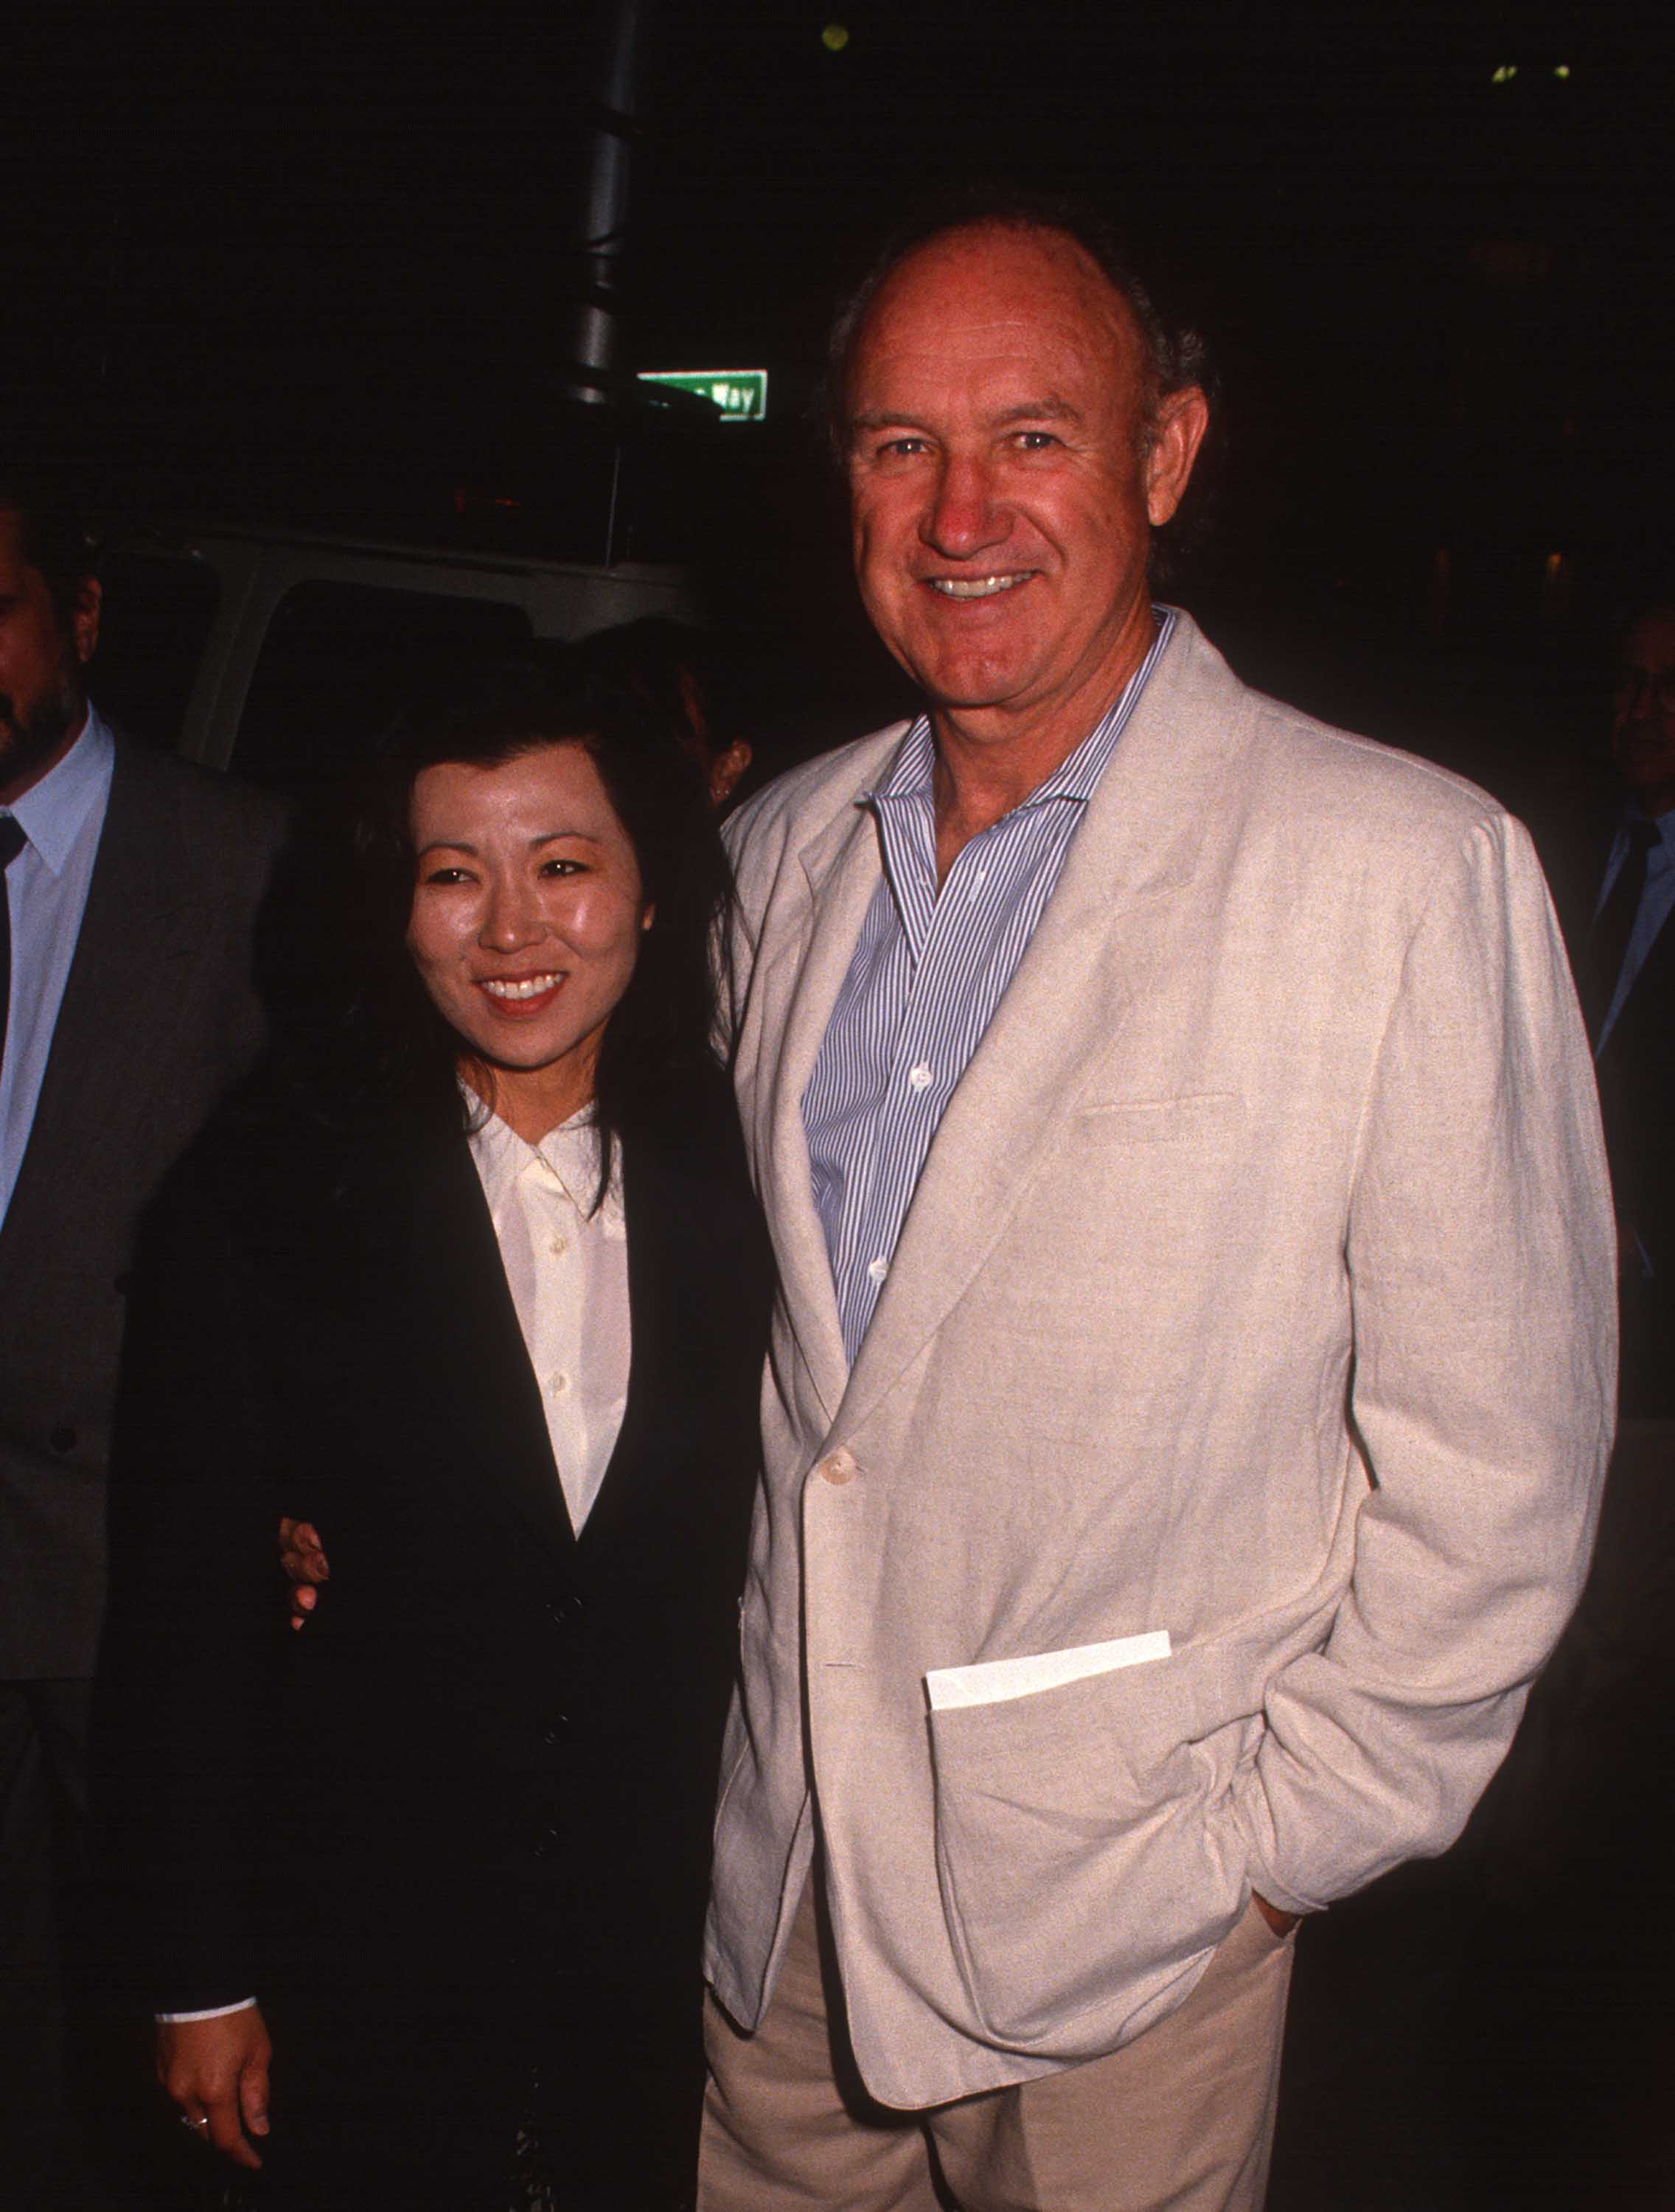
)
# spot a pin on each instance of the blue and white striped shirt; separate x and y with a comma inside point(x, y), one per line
point(929, 969)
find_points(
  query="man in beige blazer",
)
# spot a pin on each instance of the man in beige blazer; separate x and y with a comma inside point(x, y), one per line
point(1192, 1380)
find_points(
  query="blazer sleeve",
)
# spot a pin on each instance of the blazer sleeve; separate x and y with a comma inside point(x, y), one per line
point(1480, 1256)
point(195, 1621)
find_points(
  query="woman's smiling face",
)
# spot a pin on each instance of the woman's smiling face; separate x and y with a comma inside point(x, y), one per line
point(527, 922)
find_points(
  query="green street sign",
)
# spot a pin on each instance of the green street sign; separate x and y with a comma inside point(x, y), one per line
point(740, 395)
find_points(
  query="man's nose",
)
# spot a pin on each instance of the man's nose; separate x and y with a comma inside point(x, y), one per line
point(963, 516)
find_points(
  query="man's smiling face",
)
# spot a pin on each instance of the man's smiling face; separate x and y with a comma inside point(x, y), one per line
point(1004, 482)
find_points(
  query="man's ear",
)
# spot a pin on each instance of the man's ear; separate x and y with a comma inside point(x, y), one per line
point(84, 619)
point(1182, 420)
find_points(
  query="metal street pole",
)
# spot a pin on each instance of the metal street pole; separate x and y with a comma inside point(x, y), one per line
point(605, 218)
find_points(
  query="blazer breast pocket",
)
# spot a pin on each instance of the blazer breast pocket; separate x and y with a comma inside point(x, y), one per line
point(1200, 1116)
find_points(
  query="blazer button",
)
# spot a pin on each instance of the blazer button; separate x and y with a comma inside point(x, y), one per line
point(839, 1466)
point(62, 1439)
point(547, 1843)
point(555, 1730)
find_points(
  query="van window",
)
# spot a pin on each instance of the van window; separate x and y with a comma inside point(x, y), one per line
point(337, 661)
point(154, 622)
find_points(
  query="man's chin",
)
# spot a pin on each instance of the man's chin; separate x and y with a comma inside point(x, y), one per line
point(968, 686)
point(29, 748)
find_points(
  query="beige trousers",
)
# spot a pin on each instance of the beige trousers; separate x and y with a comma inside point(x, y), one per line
point(1181, 2118)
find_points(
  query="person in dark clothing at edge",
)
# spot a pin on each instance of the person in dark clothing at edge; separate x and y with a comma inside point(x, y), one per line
point(130, 885)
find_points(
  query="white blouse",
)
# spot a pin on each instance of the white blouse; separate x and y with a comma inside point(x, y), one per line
point(568, 1271)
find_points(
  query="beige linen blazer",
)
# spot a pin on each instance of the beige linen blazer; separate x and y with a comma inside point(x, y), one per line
point(1258, 1290)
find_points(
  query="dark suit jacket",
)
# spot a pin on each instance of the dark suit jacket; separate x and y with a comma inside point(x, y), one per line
point(1636, 1071)
point(159, 1018)
point(488, 1765)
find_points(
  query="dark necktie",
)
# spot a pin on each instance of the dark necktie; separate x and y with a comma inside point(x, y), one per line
point(11, 844)
point(1613, 926)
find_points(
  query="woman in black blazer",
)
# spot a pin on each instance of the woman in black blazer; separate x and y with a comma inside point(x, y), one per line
point(455, 1838)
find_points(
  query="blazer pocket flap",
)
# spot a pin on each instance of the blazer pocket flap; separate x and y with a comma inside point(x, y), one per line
point(992, 1681)
point(1164, 1121)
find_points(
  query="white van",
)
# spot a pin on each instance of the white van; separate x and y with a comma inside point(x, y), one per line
point(272, 652)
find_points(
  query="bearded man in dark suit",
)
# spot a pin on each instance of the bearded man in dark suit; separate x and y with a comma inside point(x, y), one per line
point(127, 1009)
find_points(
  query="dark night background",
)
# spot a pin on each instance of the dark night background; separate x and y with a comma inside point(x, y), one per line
point(259, 253)
point(266, 258)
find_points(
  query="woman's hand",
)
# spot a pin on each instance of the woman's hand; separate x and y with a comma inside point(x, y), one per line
point(303, 1558)
point(216, 2071)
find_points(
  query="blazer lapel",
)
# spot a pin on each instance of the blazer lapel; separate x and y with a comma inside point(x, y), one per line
point(135, 953)
point(797, 993)
point(661, 1282)
point(1132, 859)
point(1648, 995)
point(465, 1343)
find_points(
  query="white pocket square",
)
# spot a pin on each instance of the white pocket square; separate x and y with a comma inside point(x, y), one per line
point(993, 1680)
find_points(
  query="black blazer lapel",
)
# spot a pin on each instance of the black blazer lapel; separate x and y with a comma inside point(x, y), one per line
point(700, 1280)
point(655, 1270)
point(462, 1340)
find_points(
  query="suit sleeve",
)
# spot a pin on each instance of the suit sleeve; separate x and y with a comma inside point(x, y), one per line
point(1480, 1260)
point(193, 1631)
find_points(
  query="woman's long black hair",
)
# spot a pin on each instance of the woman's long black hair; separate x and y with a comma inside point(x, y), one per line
point(390, 1050)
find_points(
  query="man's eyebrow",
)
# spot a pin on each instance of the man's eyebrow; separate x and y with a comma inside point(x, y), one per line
point(1048, 409)
point(883, 421)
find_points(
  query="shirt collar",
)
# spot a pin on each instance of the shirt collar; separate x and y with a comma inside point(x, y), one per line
point(570, 1153)
point(54, 812)
point(909, 774)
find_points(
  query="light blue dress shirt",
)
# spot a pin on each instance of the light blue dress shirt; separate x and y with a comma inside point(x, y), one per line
point(929, 969)
point(1657, 901)
point(47, 891)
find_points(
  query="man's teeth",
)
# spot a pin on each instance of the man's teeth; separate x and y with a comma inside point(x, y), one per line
point(527, 986)
point(976, 587)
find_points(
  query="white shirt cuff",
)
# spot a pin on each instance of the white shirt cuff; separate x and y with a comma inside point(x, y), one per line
point(215, 2012)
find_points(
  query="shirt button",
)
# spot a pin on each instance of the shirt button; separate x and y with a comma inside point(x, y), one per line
point(838, 1467)
point(560, 1245)
point(919, 1076)
point(560, 1386)
point(878, 1269)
